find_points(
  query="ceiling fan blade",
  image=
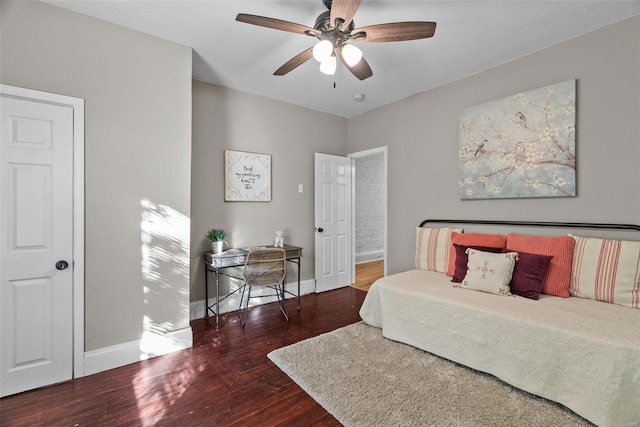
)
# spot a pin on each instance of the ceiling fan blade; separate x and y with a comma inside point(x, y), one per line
point(294, 62)
point(277, 24)
point(361, 70)
point(344, 9)
point(395, 32)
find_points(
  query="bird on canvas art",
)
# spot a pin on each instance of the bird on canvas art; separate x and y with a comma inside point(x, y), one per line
point(519, 150)
point(481, 148)
point(521, 119)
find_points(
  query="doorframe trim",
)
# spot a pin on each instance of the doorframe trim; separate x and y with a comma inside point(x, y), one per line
point(384, 150)
point(77, 106)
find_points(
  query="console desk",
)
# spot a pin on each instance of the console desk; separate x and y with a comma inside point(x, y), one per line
point(220, 262)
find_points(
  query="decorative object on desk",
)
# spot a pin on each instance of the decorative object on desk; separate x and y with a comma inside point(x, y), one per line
point(247, 177)
point(279, 240)
point(523, 145)
point(216, 237)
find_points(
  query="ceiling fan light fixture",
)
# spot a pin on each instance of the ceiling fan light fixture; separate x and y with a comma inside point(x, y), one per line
point(328, 66)
point(351, 54)
point(322, 50)
point(333, 29)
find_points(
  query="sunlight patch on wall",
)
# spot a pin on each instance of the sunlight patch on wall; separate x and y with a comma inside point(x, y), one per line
point(165, 275)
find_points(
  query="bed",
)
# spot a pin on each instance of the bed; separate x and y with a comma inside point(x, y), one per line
point(582, 353)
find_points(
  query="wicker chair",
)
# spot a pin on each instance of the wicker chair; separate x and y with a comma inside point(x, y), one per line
point(264, 268)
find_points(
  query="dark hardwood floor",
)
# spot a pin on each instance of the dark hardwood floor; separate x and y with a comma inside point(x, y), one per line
point(225, 379)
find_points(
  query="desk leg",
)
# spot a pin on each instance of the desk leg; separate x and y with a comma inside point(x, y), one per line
point(206, 292)
point(299, 283)
point(217, 299)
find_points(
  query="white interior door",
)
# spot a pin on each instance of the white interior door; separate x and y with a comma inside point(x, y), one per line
point(334, 229)
point(36, 230)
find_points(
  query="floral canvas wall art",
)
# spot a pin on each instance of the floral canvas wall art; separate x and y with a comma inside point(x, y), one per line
point(523, 145)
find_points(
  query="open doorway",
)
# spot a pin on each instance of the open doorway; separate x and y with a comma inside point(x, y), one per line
point(369, 215)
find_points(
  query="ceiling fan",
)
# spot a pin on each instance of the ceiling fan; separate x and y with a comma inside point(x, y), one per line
point(335, 29)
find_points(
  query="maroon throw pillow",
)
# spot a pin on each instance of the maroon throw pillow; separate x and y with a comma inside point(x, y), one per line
point(529, 274)
point(462, 259)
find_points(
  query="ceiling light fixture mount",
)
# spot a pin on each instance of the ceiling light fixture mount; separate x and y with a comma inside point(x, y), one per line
point(332, 41)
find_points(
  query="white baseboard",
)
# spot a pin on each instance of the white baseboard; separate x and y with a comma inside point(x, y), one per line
point(196, 308)
point(150, 345)
point(369, 256)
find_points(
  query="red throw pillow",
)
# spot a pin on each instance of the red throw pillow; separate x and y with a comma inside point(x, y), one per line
point(560, 248)
point(462, 259)
point(529, 274)
point(473, 239)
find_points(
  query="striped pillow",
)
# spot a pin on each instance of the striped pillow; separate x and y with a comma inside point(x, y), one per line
point(433, 248)
point(560, 248)
point(606, 270)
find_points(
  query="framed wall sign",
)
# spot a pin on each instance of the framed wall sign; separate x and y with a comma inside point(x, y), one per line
point(247, 177)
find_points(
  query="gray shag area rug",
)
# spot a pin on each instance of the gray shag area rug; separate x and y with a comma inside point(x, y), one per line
point(364, 379)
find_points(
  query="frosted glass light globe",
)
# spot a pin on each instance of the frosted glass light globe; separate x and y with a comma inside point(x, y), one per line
point(322, 50)
point(351, 54)
point(328, 66)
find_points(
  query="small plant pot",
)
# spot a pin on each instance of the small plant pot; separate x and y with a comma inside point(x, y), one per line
point(218, 246)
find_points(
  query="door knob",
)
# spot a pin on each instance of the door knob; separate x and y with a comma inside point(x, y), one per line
point(320, 230)
point(62, 265)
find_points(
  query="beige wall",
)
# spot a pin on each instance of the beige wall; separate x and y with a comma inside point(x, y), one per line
point(422, 136)
point(140, 158)
point(137, 92)
point(229, 119)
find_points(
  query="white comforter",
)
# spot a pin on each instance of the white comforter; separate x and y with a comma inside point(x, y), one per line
point(581, 353)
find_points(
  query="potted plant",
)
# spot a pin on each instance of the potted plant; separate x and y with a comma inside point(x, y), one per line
point(216, 237)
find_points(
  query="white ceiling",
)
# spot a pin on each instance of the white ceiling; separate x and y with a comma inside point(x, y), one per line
point(471, 36)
